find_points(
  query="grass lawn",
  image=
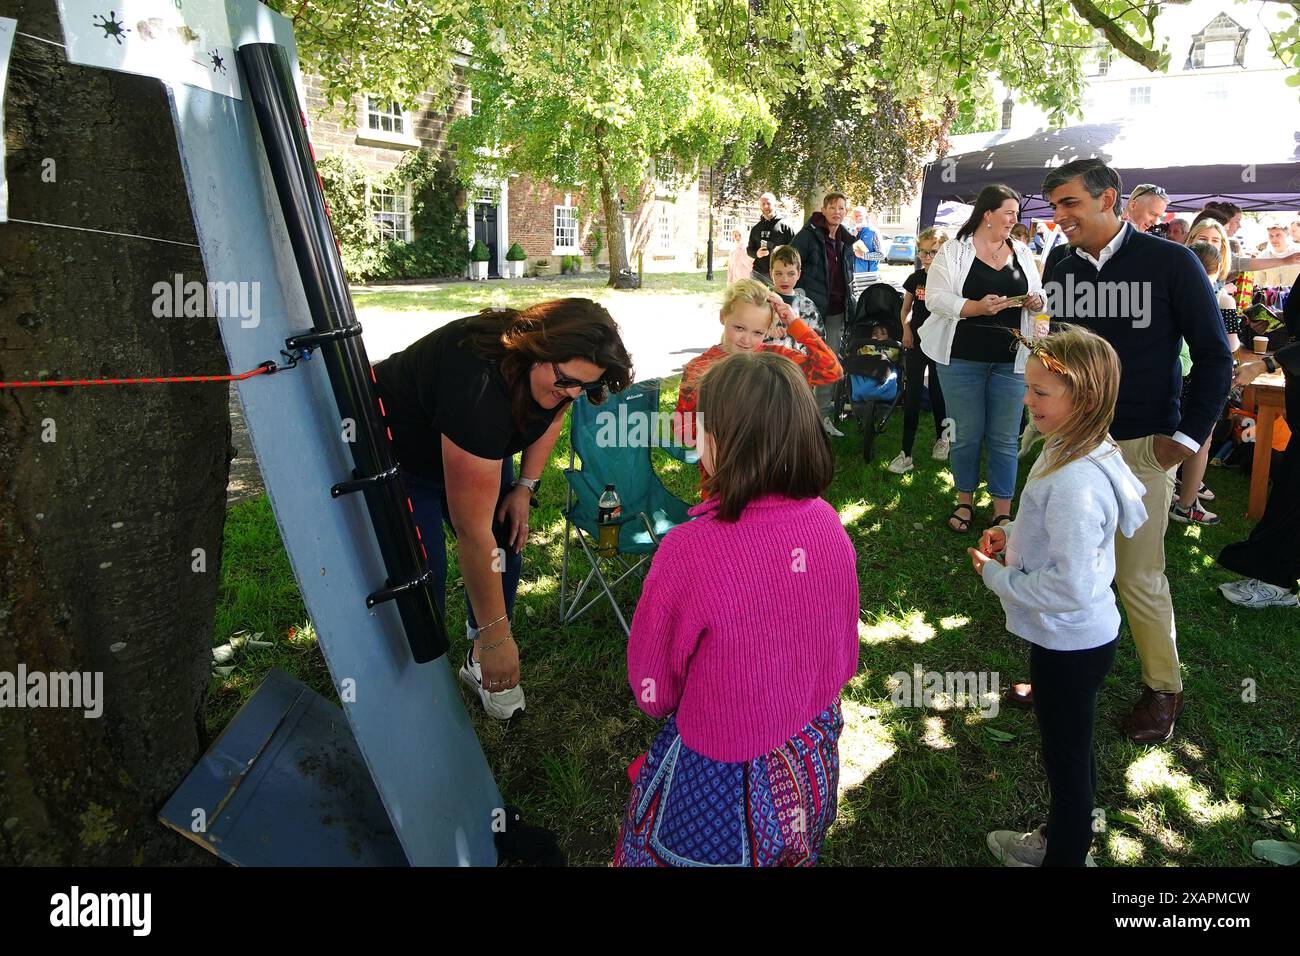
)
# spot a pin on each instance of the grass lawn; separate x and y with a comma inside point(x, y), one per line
point(464, 298)
point(917, 787)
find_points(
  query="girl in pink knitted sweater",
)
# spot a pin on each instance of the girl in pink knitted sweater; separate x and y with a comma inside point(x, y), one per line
point(744, 636)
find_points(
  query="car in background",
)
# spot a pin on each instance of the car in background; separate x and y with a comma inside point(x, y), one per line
point(901, 249)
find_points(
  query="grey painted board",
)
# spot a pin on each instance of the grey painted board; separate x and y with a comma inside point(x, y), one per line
point(284, 785)
point(408, 719)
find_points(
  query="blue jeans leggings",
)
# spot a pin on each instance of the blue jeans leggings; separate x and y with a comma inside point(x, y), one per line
point(985, 401)
point(429, 499)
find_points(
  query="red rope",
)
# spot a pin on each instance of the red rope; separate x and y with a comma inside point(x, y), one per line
point(260, 370)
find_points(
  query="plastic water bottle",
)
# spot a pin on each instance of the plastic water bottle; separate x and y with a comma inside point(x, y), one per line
point(608, 511)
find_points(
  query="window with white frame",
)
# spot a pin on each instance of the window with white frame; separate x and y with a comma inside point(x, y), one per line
point(391, 211)
point(1103, 61)
point(730, 222)
point(487, 194)
point(664, 228)
point(566, 228)
point(385, 116)
point(891, 216)
point(1139, 96)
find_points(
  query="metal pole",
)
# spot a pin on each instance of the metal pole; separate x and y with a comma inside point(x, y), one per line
point(709, 273)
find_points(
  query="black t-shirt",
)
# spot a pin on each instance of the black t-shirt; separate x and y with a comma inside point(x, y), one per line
point(439, 386)
point(774, 232)
point(984, 338)
point(915, 284)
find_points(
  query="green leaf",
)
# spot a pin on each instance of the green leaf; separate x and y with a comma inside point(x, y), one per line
point(1119, 816)
point(1001, 735)
point(1293, 79)
point(1276, 851)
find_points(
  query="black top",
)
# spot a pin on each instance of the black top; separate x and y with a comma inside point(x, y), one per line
point(774, 232)
point(1054, 258)
point(1148, 296)
point(438, 386)
point(915, 284)
point(985, 338)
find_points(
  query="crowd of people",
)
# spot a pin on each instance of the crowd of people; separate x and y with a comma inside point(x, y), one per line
point(747, 680)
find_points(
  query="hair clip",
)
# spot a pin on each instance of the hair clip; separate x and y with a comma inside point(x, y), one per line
point(1038, 350)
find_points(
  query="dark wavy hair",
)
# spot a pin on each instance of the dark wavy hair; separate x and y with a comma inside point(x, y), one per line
point(558, 330)
point(990, 198)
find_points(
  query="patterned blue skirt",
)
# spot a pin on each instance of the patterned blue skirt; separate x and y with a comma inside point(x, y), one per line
point(774, 810)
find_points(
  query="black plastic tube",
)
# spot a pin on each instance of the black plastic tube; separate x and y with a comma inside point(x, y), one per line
point(268, 84)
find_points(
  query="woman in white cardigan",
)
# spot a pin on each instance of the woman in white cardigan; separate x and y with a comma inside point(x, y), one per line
point(983, 285)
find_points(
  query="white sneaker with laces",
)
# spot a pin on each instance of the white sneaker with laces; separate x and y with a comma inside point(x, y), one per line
point(941, 448)
point(901, 464)
point(1022, 849)
point(500, 704)
point(1205, 494)
point(1254, 593)
point(1193, 514)
point(829, 427)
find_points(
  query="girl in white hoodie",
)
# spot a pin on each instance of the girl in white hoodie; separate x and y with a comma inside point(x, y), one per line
point(1054, 579)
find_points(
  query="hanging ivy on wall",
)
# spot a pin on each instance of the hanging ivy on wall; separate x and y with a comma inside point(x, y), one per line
point(441, 246)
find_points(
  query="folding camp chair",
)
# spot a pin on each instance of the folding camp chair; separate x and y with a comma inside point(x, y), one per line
point(614, 443)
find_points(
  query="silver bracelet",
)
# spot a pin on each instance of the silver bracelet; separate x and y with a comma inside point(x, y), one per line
point(492, 623)
point(492, 647)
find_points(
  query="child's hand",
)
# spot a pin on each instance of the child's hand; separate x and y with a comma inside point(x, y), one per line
point(993, 541)
point(978, 559)
point(781, 309)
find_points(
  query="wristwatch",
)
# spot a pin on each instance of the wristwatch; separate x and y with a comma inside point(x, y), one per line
point(1270, 363)
point(532, 484)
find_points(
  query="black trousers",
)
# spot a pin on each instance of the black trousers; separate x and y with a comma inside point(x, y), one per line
point(916, 363)
point(1271, 554)
point(1065, 699)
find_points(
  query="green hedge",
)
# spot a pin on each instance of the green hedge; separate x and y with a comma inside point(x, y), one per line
point(441, 247)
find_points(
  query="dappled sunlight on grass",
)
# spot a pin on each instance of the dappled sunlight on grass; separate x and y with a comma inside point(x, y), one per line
point(851, 513)
point(936, 735)
point(953, 622)
point(865, 744)
point(1154, 776)
point(913, 627)
point(1122, 848)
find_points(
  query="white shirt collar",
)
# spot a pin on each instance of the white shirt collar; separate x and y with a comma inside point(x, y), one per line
point(1110, 248)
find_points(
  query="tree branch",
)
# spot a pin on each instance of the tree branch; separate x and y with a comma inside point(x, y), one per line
point(1119, 38)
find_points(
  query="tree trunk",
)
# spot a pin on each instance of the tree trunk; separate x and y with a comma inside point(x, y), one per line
point(618, 250)
point(107, 490)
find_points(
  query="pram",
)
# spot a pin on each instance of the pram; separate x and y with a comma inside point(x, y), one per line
point(871, 352)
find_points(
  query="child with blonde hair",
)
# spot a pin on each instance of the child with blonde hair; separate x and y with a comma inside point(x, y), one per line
point(744, 771)
point(1055, 575)
point(752, 312)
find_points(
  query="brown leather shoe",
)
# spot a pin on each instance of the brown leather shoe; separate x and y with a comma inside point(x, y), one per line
point(1020, 695)
point(1153, 716)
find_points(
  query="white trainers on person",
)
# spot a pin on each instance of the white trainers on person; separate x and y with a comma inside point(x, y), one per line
point(501, 704)
point(829, 427)
point(1192, 514)
point(941, 448)
point(1022, 849)
point(1255, 593)
point(902, 464)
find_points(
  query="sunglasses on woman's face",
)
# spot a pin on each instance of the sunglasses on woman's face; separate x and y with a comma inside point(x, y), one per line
point(563, 381)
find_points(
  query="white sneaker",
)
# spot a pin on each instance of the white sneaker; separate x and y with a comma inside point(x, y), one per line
point(941, 448)
point(503, 704)
point(1022, 849)
point(829, 427)
point(901, 465)
point(1205, 494)
point(1193, 514)
point(1253, 593)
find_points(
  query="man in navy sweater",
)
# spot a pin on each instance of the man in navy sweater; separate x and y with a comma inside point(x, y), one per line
point(1142, 294)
